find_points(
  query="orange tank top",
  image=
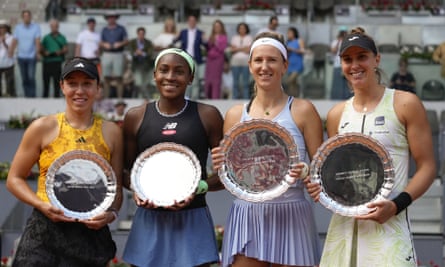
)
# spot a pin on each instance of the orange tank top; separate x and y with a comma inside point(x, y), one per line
point(69, 139)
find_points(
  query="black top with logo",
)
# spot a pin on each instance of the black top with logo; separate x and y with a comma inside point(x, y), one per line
point(185, 129)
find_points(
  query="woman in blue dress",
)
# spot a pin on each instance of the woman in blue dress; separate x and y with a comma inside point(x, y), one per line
point(181, 235)
point(295, 53)
point(281, 231)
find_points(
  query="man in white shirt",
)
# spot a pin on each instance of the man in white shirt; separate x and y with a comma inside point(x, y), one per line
point(87, 42)
point(6, 60)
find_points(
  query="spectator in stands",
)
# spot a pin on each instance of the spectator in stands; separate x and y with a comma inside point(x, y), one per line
point(439, 57)
point(142, 54)
point(295, 50)
point(216, 47)
point(103, 106)
point(6, 60)
point(398, 120)
point(192, 41)
point(119, 112)
point(27, 41)
point(53, 48)
point(403, 79)
point(340, 88)
point(165, 38)
point(272, 26)
point(227, 80)
point(239, 48)
point(87, 43)
point(113, 41)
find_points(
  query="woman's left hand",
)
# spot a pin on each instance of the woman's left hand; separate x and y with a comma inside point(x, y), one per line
point(382, 211)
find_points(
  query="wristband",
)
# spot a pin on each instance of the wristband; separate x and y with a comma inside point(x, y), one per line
point(203, 187)
point(402, 201)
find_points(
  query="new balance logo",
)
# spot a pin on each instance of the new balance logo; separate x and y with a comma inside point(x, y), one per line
point(353, 38)
point(79, 65)
point(81, 140)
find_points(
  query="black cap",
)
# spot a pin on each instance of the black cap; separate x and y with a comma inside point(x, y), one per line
point(360, 40)
point(80, 64)
point(91, 20)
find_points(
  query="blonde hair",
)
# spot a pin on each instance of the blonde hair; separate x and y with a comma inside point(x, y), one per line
point(167, 22)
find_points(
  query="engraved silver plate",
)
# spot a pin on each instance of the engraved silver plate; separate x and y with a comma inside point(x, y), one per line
point(257, 157)
point(353, 170)
point(81, 183)
point(166, 173)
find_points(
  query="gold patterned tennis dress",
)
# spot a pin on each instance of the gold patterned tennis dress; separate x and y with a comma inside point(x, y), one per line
point(70, 139)
point(365, 243)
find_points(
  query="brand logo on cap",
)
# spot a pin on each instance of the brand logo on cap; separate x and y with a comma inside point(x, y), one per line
point(353, 38)
point(79, 65)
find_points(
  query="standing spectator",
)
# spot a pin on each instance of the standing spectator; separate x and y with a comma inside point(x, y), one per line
point(113, 41)
point(399, 122)
point(181, 234)
point(27, 40)
point(272, 26)
point(215, 60)
point(6, 59)
point(165, 38)
point(403, 79)
point(439, 57)
point(53, 48)
point(295, 50)
point(227, 81)
point(239, 47)
point(87, 43)
point(340, 88)
point(142, 52)
point(192, 41)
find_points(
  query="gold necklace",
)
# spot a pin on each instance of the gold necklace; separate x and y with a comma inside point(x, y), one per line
point(82, 129)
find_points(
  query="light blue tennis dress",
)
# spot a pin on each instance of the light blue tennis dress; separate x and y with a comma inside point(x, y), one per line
point(281, 230)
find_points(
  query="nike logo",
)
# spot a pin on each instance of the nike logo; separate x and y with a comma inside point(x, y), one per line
point(344, 125)
point(353, 38)
point(81, 140)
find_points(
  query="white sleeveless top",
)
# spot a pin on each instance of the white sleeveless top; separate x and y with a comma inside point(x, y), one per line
point(383, 125)
point(364, 243)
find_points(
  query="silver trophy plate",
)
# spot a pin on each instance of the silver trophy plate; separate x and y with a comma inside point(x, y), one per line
point(165, 173)
point(353, 170)
point(258, 155)
point(81, 183)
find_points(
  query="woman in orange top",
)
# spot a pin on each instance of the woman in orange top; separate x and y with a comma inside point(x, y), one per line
point(51, 238)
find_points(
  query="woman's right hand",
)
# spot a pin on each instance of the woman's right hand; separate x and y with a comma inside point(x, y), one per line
point(54, 214)
point(314, 189)
point(217, 158)
point(144, 203)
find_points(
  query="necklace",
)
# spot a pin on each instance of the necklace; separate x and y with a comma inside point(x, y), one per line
point(77, 128)
point(266, 113)
point(171, 115)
